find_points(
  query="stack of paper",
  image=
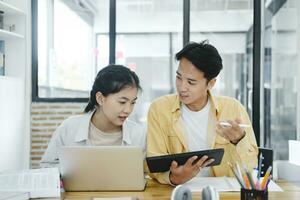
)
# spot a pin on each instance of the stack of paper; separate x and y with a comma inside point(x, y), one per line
point(14, 195)
point(38, 182)
point(222, 184)
point(115, 198)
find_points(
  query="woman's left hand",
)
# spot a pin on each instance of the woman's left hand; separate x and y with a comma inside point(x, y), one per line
point(233, 133)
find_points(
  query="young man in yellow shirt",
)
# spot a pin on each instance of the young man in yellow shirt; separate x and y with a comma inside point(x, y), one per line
point(190, 120)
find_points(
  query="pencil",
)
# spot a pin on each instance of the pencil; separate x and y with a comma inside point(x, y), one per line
point(249, 177)
point(236, 175)
point(240, 125)
point(247, 182)
point(238, 169)
point(265, 179)
point(269, 179)
point(259, 166)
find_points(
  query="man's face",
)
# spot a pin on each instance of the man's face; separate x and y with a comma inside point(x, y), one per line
point(191, 85)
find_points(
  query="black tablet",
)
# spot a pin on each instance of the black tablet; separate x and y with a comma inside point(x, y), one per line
point(163, 163)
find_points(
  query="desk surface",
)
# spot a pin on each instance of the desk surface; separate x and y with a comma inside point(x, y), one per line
point(163, 192)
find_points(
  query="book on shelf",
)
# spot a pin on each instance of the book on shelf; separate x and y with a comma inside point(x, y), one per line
point(38, 183)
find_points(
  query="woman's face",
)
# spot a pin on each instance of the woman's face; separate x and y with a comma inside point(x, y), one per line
point(117, 107)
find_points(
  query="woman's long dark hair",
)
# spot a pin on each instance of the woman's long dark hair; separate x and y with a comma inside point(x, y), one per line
point(110, 80)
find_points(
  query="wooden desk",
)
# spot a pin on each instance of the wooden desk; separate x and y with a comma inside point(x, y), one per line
point(163, 192)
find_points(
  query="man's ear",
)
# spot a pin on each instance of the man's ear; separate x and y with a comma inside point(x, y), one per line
point(211, 83)
point(100, 98)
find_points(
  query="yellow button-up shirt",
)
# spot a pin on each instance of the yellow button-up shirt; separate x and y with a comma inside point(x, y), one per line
point(167, 134)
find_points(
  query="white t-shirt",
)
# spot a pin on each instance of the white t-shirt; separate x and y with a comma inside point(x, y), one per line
point(99, 138)
point(196, 128)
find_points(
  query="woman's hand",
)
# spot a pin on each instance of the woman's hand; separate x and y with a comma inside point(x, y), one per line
point(183, 173)
point(234, 133)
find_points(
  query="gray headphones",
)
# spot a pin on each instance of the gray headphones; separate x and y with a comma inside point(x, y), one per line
point(181, 192)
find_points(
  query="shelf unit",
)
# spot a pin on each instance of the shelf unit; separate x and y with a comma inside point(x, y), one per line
point(12, 16)
point(15, 46)
point(9, 35)
point(10, 9)
point(15, 85)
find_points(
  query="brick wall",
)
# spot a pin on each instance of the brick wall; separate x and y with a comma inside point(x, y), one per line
point(45, 117)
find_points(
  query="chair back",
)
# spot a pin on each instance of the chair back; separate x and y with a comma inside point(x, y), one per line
point(267, 161)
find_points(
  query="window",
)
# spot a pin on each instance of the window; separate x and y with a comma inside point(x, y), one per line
point(146, 41)
point(66, 48)
point(75, 39)
point(226, 25)
point(280, 75)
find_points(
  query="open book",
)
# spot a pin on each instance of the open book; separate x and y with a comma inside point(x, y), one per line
point(38, 182)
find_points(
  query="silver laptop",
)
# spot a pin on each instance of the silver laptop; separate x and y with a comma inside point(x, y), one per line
point(102, 168)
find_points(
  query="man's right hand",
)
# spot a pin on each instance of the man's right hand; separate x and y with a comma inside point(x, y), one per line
point(183, 173)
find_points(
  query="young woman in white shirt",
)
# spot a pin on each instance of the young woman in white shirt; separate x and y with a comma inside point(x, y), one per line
point(104, 122)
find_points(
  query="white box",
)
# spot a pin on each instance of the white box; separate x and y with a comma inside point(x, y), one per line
point(294, 149)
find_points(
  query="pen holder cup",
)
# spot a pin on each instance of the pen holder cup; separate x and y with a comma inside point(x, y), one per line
point(254, 194)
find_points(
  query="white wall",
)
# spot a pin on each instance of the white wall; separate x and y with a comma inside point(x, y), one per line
point(15, 92)
point(12, 124)
point(27, 75)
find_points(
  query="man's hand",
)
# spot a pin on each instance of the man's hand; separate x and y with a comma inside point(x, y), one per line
point(183, 173)
point(233, 133)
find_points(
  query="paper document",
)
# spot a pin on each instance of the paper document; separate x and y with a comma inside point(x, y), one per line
point(273, 187)
point(14, 195)
point(222, 184)
point(38, 182)
point(115, 198)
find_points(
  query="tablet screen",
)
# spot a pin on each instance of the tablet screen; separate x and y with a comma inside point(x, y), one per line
point(163, 163)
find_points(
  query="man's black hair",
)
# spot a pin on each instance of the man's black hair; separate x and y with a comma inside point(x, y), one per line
point(204, 57)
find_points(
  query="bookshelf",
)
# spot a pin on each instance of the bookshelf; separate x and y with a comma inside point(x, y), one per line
point(14, 37)
point(4, 35)
point(10, 9)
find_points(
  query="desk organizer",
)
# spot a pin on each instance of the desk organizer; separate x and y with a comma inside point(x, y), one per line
point(254, 194)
